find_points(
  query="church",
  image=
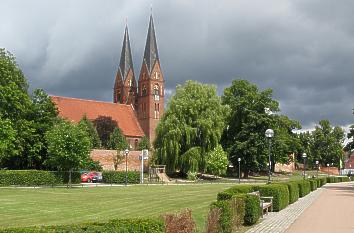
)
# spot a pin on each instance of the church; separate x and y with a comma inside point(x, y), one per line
point(137, 105)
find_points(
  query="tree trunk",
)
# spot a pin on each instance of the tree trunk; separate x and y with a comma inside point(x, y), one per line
point(70, 177)
point(245, 174)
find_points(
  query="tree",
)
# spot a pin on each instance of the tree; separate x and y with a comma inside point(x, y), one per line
point(91, 131)
point(144, 144)
point(350, 145)
point(327, 143)
point(68, 146)
point(105, 126)
point(217, 161)
point(7, 139)
point(117, 142)
point(191, 127)
point(246, 124)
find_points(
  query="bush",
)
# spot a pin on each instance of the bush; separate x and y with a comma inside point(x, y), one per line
point(153, 225)
point(252, 209)
point(323, 181)
point(36, 177)
point(293, 191)
point(279, 192)
point(345, 179)
point(118, 177)
point(313, 184)
point(230, 192)
point(304, 187)
point(182, 222)
point(231, 214)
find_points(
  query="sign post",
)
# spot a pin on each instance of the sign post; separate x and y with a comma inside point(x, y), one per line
point(144, 156)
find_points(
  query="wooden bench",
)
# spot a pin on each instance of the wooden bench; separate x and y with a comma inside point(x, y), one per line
point(266, 203)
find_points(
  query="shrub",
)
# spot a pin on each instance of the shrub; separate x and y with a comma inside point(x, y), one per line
point(232, 214)
point(118, 177)
point(293, 191)
point(279, 192)
point(230, 192)
point(345, 179)
point(36, 177)
point(323, 181)
point(313, 184)
point(153, 225)
point(212, 224)
point(304, 187)
point(252, 209)
point(182, 222)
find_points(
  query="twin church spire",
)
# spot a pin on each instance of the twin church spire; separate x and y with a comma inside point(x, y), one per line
point(147, 98)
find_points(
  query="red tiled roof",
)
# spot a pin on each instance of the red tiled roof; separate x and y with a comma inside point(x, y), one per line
point(74, 109)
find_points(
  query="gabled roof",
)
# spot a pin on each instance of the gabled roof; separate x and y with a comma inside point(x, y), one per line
point(151, 54)
point(126, 61)
point(74, 109)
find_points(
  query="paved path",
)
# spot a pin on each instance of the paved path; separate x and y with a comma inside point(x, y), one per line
point(330, 209)
point(332, 212)
point(276, 222)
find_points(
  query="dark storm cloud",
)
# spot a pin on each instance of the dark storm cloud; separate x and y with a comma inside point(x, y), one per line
point(303, 50)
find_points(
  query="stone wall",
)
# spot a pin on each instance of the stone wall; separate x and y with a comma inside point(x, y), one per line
point(106, 160)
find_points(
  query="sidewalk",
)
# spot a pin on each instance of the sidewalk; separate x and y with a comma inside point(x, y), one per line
point(332, 212)
point(276, 222)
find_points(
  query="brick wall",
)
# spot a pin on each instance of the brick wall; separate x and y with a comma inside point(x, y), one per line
point(106, 160)
point(330, 170)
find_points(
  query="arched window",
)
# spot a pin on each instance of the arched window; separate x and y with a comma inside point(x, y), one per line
point(156, 92)
point(144, 90)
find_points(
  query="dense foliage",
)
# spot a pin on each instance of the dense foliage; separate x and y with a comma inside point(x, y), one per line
point(144, 144)
point(117, 140)
point(249, 119)
point(68, 146)
point(118, 177)
point(132, 225)
point(190, 128)
point(217, 161)
point(105, 126)
point(91, 131)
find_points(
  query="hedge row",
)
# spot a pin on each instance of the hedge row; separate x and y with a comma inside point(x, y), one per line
point(283, 194)
point(36, 177)
point(118, 177)
point(149, 225)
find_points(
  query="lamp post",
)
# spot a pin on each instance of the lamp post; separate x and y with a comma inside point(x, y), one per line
point(126, 152)
point(239, 170)
point(327, 169)
point(318, 167)
point(304, 155)
point(269, 133)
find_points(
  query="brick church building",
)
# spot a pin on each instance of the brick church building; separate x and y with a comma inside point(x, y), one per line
point(137, 105)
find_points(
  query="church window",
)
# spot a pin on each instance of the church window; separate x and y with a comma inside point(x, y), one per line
point(144, 90)
point(157, 75)
point(156, 93)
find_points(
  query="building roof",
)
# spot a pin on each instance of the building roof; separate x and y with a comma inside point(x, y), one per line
point(126, 61)
point(151, 54)
point(74, 109)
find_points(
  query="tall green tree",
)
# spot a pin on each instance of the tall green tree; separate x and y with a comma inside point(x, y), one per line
point(105, 126)
point(246, 125)
point(191, 126)
point(117, 140)
point(91, 131)
point(350, 145)
point(68, 146)
point(327, 143)
point(7, 139)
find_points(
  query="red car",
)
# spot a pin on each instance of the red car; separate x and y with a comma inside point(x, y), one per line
point(91, 177)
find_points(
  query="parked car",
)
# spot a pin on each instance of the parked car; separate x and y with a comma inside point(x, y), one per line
point(91, 177)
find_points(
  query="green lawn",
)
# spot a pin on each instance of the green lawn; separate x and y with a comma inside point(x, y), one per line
point(55, 206)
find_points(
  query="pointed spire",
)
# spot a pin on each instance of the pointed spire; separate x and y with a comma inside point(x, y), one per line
point(126, 61)
point(151, 54)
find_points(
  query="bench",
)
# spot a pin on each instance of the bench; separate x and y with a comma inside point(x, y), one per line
point(266, 203)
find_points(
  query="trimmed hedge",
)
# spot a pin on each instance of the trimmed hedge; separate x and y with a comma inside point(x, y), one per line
point(293, 191)
point(148, 225)
point(36, 177)
point(226, 217)
point(279, 192)
point(227, 194)
point(313, 184)
point(323, 181)
point(118, 177)
point(252, 209)
point(304, 187)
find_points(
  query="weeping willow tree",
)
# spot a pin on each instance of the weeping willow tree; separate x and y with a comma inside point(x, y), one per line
point(191, 127)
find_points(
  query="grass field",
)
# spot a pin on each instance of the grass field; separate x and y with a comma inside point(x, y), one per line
point(56, 206)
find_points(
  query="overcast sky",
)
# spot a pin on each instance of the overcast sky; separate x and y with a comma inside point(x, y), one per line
point(302, 49)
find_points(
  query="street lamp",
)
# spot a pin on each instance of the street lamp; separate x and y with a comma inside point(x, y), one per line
point(304, 155)
point(318, 167)
point(328, 169)
point(126, 152)
point(239, 170)
point(269, 133)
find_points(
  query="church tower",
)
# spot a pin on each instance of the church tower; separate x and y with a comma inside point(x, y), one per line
point(125, 87)
point(151, 86)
